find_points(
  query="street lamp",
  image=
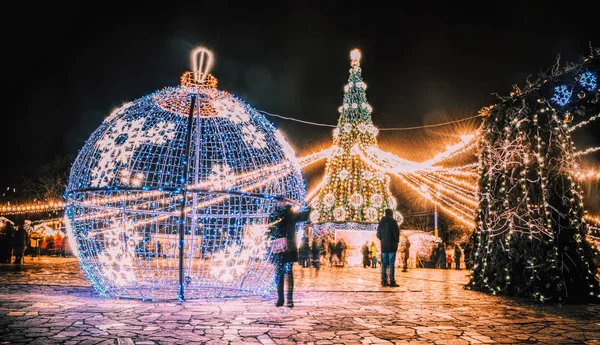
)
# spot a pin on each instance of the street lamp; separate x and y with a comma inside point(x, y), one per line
point(435, 220)
point(425, 190)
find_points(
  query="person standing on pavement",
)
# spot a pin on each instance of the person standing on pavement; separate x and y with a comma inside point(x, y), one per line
point(19, 244)
point(441, 255)
point(304, 252)
point(405, 255)
point(373, 255)
point(457, 255)
point(389, 235)
point(366, 254)
point(285, 219)
point(315, 254)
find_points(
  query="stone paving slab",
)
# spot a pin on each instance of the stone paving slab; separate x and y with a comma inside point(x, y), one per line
point(50, 302)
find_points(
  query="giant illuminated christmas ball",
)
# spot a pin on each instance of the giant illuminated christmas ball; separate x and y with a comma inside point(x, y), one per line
point(170, 196)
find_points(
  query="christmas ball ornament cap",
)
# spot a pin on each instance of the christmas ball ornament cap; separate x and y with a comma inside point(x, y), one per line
point(202, 62)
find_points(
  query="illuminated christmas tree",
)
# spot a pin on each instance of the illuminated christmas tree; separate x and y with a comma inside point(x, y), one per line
point(353, 195)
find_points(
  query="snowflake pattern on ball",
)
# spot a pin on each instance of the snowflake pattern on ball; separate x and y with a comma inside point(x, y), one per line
point(226, 265)
point(120, 142)
point(231, 110)
point(252, 136)
point(117, 259)
point(232, 262)
point(221, 178)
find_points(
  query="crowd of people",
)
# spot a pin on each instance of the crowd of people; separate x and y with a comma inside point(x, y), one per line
point(318, 251)
point(20, 240)
point(457, 257)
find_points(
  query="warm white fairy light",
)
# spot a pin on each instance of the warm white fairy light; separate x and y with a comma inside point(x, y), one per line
point(586, 151)
point(32, 207)
point(590, 174)
point(583, 123)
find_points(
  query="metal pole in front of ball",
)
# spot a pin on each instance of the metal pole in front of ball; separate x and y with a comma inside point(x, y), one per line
point(186, 165)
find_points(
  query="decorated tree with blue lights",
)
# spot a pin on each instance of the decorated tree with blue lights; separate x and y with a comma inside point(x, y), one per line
point(353, 194)
point(530, 238)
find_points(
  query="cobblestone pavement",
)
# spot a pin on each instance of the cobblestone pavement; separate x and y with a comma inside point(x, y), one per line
point(48, 301)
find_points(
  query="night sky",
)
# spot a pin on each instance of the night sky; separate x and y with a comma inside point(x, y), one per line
point(70, 66)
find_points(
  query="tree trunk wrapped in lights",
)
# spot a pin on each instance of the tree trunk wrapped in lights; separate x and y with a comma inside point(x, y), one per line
point(530, 238)
point(353, 195)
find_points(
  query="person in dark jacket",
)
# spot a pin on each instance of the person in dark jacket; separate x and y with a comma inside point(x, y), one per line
point(366, 251)
point(19, 244)
point(315, 254)
point(441, 255)
point(286, 227)
point(389, 235)
point(304, 252)
point(6, 235)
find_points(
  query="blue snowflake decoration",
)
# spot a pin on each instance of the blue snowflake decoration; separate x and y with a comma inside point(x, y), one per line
point(588, 80)
point(562, 95)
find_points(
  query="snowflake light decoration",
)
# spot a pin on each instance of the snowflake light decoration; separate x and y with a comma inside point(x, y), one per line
point(170, 196)
point(588, 80)
point(562, 95)
point(252, 136)
point(121, 140)
point(222, 177)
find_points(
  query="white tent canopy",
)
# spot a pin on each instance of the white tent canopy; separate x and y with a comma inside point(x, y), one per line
point(6, 220)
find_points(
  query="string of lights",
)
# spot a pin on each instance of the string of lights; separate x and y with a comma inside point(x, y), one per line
point(381, 129)
point(583, 123)
point(587, 151)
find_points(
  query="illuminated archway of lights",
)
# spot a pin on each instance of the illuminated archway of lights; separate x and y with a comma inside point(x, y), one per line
point(170, 196)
